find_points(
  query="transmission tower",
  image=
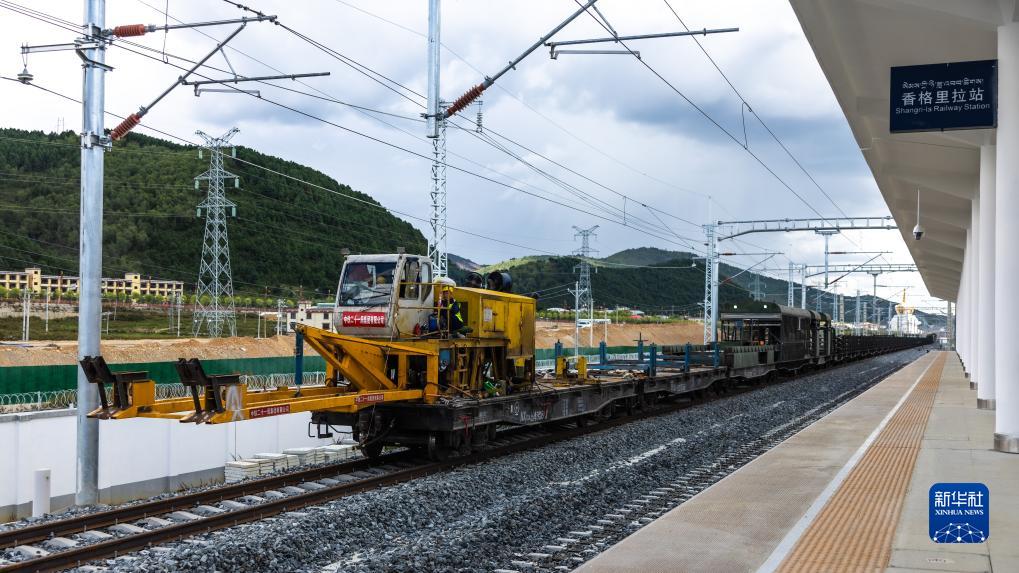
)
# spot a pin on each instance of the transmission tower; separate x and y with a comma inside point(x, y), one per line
point(215, 280)
point(586, 300)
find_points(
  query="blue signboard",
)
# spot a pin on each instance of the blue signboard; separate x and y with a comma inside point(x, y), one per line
point(959, 513)
point(936, 97)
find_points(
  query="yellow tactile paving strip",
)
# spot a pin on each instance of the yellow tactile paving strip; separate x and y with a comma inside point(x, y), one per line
point(854, 531)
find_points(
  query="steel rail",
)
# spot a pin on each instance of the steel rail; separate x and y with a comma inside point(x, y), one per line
point(127, 513)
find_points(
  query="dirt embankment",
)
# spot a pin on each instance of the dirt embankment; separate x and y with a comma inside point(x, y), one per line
point(619, 334)
point(121, 351)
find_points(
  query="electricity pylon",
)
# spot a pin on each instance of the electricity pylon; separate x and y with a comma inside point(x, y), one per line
point(586, 300)
point(215, 279)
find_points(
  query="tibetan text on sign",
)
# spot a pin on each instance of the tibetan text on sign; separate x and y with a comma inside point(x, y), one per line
point(936, 97)
point(369, 319)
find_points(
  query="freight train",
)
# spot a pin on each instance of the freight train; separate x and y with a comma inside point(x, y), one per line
point(415, 360)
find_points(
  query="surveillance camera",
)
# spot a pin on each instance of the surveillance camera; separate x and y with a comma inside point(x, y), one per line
point(918, 232)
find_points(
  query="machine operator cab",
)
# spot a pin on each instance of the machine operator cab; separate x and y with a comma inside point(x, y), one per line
point(384, 296)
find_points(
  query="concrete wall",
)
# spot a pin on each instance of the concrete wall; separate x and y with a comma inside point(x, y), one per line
point(137, 458)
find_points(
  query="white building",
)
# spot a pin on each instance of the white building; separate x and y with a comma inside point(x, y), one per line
point(904, 321)
point(319, 315)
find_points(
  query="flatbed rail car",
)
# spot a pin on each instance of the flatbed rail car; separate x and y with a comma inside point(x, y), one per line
point(417, 361)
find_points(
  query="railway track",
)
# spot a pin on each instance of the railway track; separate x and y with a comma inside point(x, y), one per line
point(113, 533)
point(109, 534)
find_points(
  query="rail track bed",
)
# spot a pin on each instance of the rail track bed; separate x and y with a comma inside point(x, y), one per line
point(545, 509)
point(58, 544)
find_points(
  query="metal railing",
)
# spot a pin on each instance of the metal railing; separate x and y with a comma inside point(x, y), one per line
point(549, 364)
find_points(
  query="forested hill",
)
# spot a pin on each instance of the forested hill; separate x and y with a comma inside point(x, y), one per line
point(659, 281)
point(668, 286)
point(286, 236)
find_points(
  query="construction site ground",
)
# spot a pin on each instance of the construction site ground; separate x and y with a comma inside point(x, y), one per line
point(619, 334)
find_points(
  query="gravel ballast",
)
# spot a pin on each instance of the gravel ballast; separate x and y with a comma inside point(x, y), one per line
point(500, 514)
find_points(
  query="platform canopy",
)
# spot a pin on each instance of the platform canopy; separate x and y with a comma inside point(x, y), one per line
point(857, 42)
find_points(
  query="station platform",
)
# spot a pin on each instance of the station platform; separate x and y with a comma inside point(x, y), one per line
point(848, 493)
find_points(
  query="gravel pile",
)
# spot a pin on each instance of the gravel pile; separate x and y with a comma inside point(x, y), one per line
point(484, 517)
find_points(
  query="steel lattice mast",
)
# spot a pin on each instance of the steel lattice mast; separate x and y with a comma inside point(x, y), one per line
point(436, 130)
point(215, 279)
point(437, 244)
point(585, 251)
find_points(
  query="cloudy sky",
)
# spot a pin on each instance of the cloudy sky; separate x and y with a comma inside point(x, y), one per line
point(629, 140)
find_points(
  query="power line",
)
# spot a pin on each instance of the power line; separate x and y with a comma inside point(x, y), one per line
point(712, 120)
point(417, 154)
point(359, 66)
point(371, 204)
point(387, 143)
point(533, 109)
point(759, 118)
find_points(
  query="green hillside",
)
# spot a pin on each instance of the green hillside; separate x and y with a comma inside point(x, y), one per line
point(286, 238)
point(645, 256)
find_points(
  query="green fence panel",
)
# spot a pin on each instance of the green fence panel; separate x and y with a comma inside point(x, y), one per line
point(15, 379)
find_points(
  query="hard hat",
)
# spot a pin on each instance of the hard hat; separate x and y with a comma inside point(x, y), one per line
point(446, 281)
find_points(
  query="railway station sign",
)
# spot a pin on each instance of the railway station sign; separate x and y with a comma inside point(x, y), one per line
point(939, 97)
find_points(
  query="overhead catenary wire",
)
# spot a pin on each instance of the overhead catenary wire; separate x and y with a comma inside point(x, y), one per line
point(532, 109)
point(420, 155)
point(366, 69)
point(529, 149)
point(760, 119)
point(713, 121)
point(412, 152)
point(754, 112)
point(312, 116)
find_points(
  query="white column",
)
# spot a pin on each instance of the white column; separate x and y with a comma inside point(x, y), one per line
point(987, 310)
point(1006, 261)
point(962, 309)
point(974, 293)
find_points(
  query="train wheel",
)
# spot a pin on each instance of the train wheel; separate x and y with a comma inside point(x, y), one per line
point(372, 450)
point(437, 451)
